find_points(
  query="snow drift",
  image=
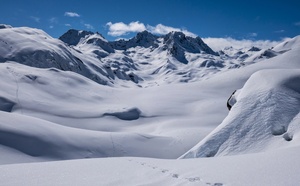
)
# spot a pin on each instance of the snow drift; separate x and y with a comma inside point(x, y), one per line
point(264, 117)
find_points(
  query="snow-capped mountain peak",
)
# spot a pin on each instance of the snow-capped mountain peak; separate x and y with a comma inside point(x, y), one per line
point(189, 44)
point(73, 37)
point(178, 43)
point(144, 39)
point(144, 57)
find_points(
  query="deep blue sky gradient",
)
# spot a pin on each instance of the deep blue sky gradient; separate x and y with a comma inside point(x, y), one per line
point(255, 19)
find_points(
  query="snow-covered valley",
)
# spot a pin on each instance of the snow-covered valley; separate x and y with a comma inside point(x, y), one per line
point(139, 107)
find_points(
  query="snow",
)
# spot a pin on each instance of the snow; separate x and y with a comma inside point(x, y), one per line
point(121, 113)
point(82, 104)
point(260, 118)
point(272, 168)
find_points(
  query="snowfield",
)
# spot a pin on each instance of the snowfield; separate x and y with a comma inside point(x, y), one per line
point(85, 111)
point(271, 168)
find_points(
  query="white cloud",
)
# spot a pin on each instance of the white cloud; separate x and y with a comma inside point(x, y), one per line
point(279, 31)
point(163, 29)
point(220, 43)
point(51, 27)
point(89, 26)
point(253, 34)
point(36, 19)
point(67, 24)
point(120, 28)
point(53, 20)
point(71, 14)
point(297, 23)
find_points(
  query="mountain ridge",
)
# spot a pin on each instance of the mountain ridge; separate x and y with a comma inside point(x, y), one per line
point(144, 60)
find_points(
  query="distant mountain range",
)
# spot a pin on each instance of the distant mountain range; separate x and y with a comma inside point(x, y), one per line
point(143, 60)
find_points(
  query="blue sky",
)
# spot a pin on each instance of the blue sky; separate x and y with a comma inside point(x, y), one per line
point(254, 19)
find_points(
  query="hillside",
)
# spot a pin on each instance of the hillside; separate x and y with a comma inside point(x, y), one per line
point(135, 106)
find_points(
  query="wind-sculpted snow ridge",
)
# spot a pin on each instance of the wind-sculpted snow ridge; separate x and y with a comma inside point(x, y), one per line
point(288, 44)
point(265, 117)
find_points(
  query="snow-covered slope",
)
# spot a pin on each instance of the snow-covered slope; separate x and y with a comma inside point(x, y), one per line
point(33, 47)
point(278, 168)
point(157, 105)
point(68, 99)
point(268, 102)
point(264, 117)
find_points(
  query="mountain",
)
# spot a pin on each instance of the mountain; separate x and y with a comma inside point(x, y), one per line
point(143, 39)
point(127, 112)
point(144, 60)
point(146, 57)
point(72, 36)
point(35, 48)
point(178, 44)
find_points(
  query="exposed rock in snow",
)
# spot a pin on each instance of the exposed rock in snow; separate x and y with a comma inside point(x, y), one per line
point(189, 44)
point(178, 43)
point(72, 36)
point(261, 55)
point(254, 49)
point(268, 54)
point(142, 39)
point(98, 41)
point(3, 26)
point(211, 63)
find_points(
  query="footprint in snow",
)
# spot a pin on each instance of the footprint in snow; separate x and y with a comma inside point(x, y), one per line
point(175, 175)
point(195, 179)
point(164, 170)
point(215, 184)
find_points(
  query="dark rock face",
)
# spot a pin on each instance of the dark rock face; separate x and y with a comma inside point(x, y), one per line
point(178, 43)
point(254, 49)
point(72, 36)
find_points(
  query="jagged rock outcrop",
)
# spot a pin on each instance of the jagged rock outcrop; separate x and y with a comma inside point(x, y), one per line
point(178, 43)
point(72, 36)
point(143, 39)
point(254, 49)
